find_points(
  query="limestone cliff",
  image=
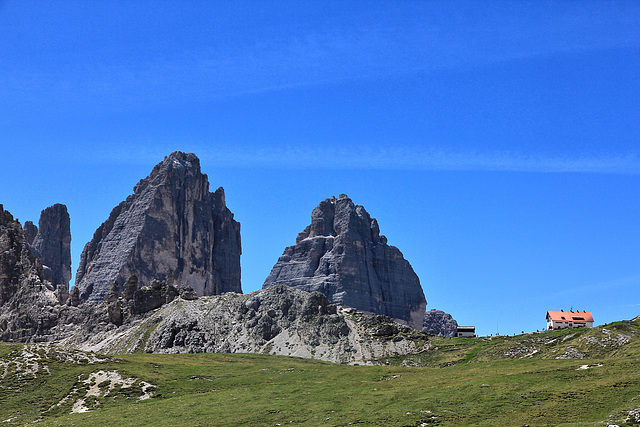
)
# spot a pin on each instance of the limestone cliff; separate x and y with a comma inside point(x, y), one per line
point(52, 244)
point(170, 228)
point(164, 319)
point(342, 255)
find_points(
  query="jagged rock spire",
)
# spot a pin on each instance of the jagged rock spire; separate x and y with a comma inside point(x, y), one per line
point(342, 254)
point(52, 244)
point(26, 300)
point(170, 228)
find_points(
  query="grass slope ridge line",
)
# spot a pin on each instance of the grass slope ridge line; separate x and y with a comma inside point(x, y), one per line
point(481, 381)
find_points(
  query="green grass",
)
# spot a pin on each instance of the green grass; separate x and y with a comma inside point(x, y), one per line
point(465, 382)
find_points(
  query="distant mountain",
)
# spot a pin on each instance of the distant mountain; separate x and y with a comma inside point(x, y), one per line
point(171, 228)
point(162, 274)
point(343, 255)
point(164, 318)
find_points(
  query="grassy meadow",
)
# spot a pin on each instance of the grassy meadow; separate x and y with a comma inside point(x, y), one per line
point(458, 382)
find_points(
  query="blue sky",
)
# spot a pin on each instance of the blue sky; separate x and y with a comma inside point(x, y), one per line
point(496, 143)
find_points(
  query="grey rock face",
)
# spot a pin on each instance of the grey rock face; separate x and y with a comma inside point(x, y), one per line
point(74, 297)
point(113, 293)
point(14, 261)
point(30, 231)
point(28, 305)
point(342, 255)
point(437, 322)
point(151, 297)
point(279, 320)
point(130, 287)
point(170, 228)
point(52, 244)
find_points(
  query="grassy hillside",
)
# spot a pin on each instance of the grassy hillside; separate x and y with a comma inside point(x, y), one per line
point(501, 381)
point(617, 340)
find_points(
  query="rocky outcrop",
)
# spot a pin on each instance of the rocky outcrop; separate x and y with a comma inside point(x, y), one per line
point(151, 297)
point(52, 244)
point(437, 322)
point(165, 319)
point(279, 320)
point(170, 228)
point(342, 255)
point(27, 301)
point(136, 301)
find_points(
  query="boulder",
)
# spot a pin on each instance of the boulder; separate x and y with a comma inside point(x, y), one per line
point(437, 322)
point(151, 297)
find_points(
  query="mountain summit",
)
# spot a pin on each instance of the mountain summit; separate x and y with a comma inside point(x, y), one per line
point(170, 228)
point(343, 255)
point(52, 244)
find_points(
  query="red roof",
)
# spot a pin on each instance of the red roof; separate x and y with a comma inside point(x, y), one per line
point(570, 316)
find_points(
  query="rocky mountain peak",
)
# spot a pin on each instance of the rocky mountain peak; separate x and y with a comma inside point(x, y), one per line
point(177, 167)
point(52, 244)
point(26, 299)
point(342, 254)
point(5, 216)
point(170, 228)
point(16, 260)
point(333, 217)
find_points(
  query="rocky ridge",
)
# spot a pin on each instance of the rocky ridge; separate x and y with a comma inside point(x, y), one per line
point(343, 255)
point(279, 320)
point(27, 300)
point(172, 241)
point(170, 228)
point(164, 318)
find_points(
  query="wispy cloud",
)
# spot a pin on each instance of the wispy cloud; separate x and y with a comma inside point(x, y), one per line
point(371, 51)
point(418, 159)
point(443, 36)
point(352, 156)
point(632, 282)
